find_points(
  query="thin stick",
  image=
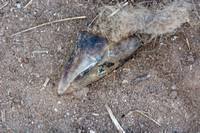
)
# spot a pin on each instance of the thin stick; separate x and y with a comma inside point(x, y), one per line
point(143, 2)
point(93, 20)
point(125, 4)
point(117, 125)
point(45, 83)
point(56, 21)
point(7, 127)
point(38, 52)
point(44, 119)
point(188, 44)
point(4, 5)
point(28, 3)
point(95, 114)
point(3, 113)
point(143, 113)
point(141, 78)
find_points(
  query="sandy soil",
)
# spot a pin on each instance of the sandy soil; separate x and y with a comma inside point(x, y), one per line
point(170, 95)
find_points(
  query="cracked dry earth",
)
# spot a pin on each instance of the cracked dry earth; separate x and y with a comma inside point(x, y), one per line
point(171, 95)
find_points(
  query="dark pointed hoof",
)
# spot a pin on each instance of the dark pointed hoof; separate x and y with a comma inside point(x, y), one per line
point(92, 59)
point(87, 54)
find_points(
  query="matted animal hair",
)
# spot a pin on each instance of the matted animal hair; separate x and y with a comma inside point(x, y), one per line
point(139, 19)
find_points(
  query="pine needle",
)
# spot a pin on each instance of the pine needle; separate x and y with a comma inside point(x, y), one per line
point(28, 3)
point(118, 126)
point(4, 5)
point(44, 24)
point(144, 114)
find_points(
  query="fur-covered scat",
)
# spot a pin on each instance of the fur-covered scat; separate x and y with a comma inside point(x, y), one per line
point(136, 19)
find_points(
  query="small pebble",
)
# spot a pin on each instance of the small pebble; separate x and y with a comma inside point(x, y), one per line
point(190, 67)
point(25, 60)
point(17, 100)
point(38, 126)
point(59, 102)
point(67, 114)
point(18, 4)
point(123, 115)
point(194, 103)
point(190, 59)
point(173, 87)
point(173, 94)
point(28, 80)
point(141, 125)
point(55, 109)
point(92, 131)
point(152, 90)
point(161, 108)
point(124, 81)
point(174, 38)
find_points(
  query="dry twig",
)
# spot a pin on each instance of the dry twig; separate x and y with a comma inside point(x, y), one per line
point(39, 52)
point(46, 82)
point(95, 114)
point(93, 20)
point(4, 5)
point(125, 4)
point(28, 3)
point(56, 21)
point(7, 127)
point(188, 44)
point(3, 113)
point(117, 125)
point(145, 114)
point(44, 119)
point(141, 78)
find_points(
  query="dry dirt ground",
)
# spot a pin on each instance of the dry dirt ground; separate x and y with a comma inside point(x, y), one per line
point(171, 95)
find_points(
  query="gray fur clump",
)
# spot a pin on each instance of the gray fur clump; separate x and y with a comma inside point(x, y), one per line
point(131, 20)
